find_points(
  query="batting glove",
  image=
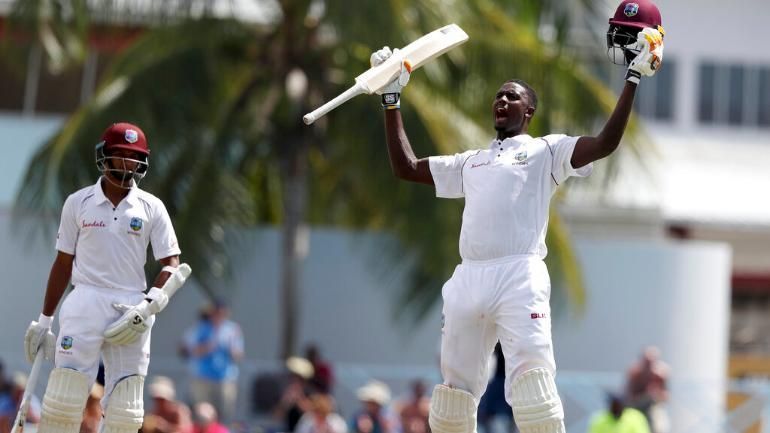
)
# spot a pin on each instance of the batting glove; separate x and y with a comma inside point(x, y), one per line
point(391, 92)
point(131, 324)
point(39, 337)
point(650, 57)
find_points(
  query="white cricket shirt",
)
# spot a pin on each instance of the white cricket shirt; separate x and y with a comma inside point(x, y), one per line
point(507, 190)
point(110, 243)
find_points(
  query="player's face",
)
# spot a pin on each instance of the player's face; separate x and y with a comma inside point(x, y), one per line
point(122, 163)
point(511, 109)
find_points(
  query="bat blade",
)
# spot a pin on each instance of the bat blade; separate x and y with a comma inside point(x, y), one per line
point(416, 53)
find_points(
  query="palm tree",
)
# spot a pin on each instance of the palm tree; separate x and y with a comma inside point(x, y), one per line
point(222, 101)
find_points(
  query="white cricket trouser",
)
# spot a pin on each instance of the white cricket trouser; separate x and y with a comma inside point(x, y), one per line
point(507, 300)
point(84, 315)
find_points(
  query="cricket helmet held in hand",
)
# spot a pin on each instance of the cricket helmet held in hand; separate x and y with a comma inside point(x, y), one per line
point(630, 17)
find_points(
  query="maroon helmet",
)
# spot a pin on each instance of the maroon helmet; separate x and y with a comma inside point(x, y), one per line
point(630, 18)
point(123, 136)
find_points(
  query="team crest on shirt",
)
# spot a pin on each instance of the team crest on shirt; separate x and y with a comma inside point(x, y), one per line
point(135, 224)
point(66, 343)
point(631, 9)
point(520, 157)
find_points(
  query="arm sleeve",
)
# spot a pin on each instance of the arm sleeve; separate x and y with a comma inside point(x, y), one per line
point(67, 236)
point(236, 341)
point(561, 148)
point(163, 237)
point(447, 172)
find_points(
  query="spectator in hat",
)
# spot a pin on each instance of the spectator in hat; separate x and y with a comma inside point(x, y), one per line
point(372, 417)
point(215, 347)
point(168, 415)
point(294, 401)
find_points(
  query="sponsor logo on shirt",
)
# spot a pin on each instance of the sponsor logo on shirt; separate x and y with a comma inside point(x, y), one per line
point(479, 164)
point(93, 223)
point(538, 316)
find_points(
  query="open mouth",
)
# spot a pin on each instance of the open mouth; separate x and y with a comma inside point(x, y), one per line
point(500, 114)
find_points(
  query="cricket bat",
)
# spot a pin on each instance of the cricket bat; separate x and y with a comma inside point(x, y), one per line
point(416, 54)
point(21, 415)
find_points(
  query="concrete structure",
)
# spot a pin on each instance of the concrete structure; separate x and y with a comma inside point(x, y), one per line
point(708, 115)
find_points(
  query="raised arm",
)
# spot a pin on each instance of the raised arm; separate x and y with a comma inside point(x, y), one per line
point(589, 149)
point(402, 160)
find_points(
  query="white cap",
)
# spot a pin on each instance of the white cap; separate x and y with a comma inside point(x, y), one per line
point(162, 387)
point(19, 379)
point(374, 391)
point(300, 366)
point(205, 412)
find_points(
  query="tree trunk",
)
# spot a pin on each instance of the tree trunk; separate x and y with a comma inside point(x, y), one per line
point(294, 244)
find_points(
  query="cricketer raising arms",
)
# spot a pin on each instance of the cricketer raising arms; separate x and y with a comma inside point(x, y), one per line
point(102, 244)
point(501, 289)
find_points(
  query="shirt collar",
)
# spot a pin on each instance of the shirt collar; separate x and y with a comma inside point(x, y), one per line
point(132, 198)
point(510, 141)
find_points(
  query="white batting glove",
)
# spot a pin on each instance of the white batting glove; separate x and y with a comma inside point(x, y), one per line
point(650, 57)
point(131, 325)
point(391, 92)
point(39, 337)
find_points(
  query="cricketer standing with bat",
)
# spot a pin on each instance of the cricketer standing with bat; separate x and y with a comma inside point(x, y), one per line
point(501, 289)
point(102, 244)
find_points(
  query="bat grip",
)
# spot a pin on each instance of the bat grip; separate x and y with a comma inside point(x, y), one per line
point(21, 415)
point(314, 115)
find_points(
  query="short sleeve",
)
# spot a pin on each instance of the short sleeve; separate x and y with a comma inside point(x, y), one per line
point(561, 148)
point(163, 237)
point(67, 236)
point(447, 172)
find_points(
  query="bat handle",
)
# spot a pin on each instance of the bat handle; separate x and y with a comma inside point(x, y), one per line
point(314, 115)
point(21, 415)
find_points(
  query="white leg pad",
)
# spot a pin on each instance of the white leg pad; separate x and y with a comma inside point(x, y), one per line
point(452, 411)
point(64, 400)
point(125, 407)
point(536, 404)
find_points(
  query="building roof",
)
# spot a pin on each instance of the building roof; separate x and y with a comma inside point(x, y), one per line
point(712, 178)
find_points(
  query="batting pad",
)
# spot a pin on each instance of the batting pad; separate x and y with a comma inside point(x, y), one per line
point(64, 400)
point(452, 411)
point(125, 408)
point(536, 404)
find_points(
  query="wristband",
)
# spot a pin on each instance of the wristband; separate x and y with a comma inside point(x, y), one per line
point(391, 101)
point(633, 76)
point(45, 321)
point(170, 269)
